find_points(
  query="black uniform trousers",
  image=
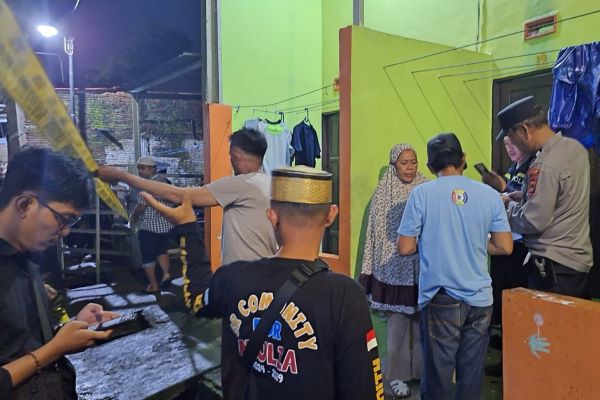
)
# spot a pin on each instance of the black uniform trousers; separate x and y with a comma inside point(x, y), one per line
point(507, 272)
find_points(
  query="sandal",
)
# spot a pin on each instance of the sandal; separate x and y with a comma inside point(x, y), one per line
point(400, 389)
point(165, 283)
point(149, 290)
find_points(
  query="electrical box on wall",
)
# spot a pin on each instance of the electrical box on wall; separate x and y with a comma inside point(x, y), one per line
point(540, 26)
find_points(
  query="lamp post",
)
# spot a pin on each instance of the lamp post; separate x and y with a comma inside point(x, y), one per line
point(50, 31)
point(69, 49)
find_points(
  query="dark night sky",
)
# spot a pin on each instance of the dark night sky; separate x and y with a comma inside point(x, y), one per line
point(102, 27)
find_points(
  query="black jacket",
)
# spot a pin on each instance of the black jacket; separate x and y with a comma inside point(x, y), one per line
point(21, 332)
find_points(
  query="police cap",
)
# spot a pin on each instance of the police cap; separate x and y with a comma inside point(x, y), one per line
point(515, 113)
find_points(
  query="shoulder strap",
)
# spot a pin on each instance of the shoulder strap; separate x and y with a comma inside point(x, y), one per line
point(297, 279)
point(41, 308)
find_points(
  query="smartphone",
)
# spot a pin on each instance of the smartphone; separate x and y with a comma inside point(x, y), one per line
point(124, 325)
point(481, 168)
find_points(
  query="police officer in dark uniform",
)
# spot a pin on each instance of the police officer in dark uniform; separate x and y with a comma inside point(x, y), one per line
point(507, 272)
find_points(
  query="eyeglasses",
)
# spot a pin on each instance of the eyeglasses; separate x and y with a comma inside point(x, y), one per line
point(64, 222)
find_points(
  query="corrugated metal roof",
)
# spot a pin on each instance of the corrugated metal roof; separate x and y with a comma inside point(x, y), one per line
point(180, 76)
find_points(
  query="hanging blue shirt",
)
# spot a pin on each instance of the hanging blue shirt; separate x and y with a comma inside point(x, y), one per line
point(306, 144)
point(452, 217)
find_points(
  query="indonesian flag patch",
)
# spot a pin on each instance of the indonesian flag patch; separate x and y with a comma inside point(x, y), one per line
point(371, 340)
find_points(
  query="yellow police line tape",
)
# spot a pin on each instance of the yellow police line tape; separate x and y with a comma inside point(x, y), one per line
point(26, 82)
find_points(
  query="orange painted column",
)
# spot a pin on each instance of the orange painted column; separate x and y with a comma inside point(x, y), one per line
point(550, 346)
point(341, 262)
point(216, 129)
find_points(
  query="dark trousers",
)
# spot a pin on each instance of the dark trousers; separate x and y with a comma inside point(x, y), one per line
point(454, 336)
point(507, 272)
point(549, 276)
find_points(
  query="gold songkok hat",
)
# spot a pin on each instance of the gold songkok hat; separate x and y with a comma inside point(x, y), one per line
point(301, 184)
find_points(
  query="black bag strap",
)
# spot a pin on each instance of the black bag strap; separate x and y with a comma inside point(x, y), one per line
point(297, 279)
point(42, 312)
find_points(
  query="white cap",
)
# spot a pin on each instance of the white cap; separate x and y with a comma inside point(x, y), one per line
point(147, 161)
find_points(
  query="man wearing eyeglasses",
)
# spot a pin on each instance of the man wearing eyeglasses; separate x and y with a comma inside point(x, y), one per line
point(42, 197)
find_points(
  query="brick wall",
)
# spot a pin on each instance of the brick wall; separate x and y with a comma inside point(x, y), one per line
point(171, 131)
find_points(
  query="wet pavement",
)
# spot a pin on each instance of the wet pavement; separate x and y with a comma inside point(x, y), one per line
point(176, 355)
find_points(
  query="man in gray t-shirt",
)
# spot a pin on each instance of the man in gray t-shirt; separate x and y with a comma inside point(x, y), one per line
point(247, 233)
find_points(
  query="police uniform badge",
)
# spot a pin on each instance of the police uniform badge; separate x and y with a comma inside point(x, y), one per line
point(533, 174)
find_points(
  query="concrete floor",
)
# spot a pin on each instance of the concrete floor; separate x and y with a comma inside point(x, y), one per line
point(132, 280)
point(492, 387)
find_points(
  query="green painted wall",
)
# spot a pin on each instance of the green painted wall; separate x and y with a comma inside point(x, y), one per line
point(453, 23)
point(336, 14)
point(461, 96)
point(271, 50)
point(409, 102)
point(506, 16)
point(501, 18)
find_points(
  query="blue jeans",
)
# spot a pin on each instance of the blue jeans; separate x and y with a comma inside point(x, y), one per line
point(454, 336)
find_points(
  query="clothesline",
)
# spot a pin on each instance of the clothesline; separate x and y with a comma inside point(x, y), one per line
point(485, 40)
point(285, 100)
point(418, 71)
point(497, 69)
point(297, 109)
point(309, 106)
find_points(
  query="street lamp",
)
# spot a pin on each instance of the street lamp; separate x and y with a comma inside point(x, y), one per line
point(47, 30)
point(50, 31)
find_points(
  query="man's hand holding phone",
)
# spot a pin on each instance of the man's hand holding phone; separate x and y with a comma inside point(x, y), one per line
point(491, 178)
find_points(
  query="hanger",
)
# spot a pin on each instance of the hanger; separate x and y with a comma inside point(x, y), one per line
point(306, 119)
point(280, 120)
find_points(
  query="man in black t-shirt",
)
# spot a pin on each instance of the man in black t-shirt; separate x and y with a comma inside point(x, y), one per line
point(322, 345)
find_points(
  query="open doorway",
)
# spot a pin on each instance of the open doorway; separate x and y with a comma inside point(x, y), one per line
point(508, 90)
point(331, 163)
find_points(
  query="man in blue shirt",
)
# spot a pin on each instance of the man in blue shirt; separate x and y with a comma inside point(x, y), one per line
point(457, 223)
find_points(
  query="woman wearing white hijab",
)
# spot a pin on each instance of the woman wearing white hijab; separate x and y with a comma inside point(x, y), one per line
point(390, 280)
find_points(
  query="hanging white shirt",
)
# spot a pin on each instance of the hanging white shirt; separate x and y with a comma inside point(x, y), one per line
point(279, 138)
